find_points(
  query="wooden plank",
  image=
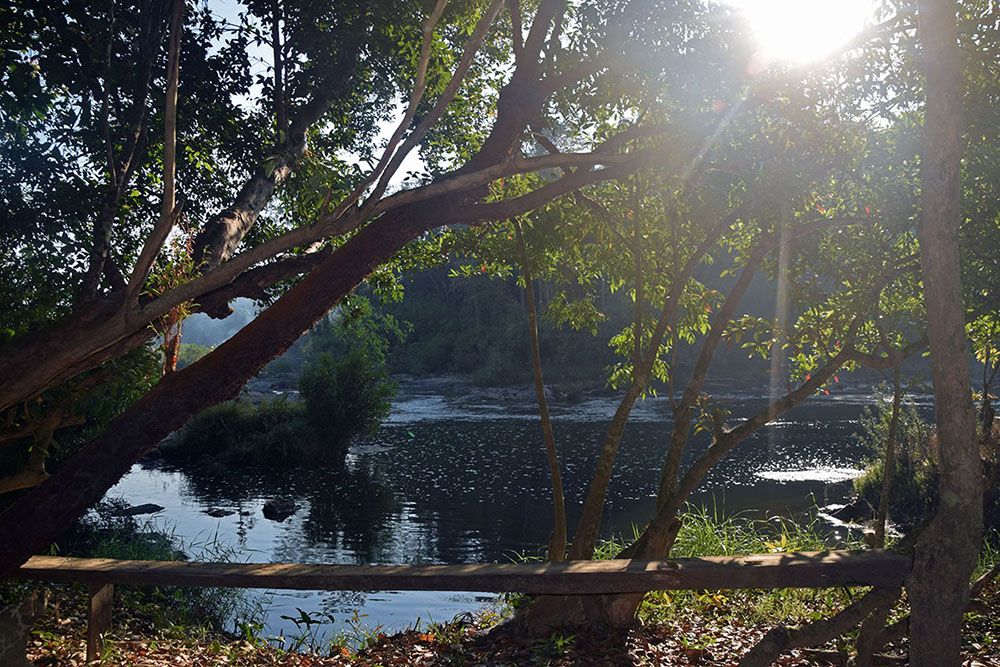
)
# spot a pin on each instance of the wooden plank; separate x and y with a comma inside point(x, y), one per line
point(790, 570)
point(98, 618)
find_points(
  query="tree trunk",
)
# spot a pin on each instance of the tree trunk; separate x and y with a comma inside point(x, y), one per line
point(557, 542)
point(888, 462)
point(546, 614)
point(947, 549)
point(585, 537)
point(31, 522)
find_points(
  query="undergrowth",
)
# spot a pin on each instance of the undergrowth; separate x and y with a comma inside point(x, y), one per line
point(105, 532)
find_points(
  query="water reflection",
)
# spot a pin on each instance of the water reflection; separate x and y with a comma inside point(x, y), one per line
point(457, 477)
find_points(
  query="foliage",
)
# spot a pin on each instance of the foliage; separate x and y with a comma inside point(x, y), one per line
point(190, 353)
point(345, 383)
point(345, 392)
point(272, 432)
point(97, 398)
point(914, 482)
point(706, 532)
point(345, 397)
point(476, 326)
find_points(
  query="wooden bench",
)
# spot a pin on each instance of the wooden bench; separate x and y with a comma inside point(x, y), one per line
point(821, 569)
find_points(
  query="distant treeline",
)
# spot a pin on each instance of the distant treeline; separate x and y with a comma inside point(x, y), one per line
point(478, 327)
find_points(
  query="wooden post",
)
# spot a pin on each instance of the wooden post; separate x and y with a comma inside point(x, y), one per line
point(98, 618)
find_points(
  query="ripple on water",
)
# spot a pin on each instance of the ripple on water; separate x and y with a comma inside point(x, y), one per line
point(827, 475)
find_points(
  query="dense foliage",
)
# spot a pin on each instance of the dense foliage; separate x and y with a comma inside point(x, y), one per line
point(345, 392)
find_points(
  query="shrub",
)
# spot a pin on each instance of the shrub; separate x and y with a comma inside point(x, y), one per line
point(345, 391)
point(239, 432)
point(914, 483)
point(191, 352)
point(345, 397)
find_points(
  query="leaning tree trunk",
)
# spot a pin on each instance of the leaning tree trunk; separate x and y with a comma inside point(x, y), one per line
point(31, 522)
point(946, 551)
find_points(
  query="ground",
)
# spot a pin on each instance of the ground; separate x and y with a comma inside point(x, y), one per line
point(690, 639)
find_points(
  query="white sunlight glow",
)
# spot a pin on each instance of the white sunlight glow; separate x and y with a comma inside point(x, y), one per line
point(802, 31)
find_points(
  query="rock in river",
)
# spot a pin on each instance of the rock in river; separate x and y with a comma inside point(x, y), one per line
point(219, 513)
point(136, 510)
point(279, 509)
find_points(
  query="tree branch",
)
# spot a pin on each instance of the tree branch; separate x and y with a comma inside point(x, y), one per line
point(168, 209)
point(780, 639)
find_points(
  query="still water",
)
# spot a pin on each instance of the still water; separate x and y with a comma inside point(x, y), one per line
point(456, 476)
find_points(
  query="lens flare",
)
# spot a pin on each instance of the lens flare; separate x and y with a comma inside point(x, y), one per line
point(801, 31)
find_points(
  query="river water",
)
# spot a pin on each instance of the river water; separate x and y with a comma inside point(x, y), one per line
point(457, 475)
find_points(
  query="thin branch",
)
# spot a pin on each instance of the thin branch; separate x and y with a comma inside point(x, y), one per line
point(888, 461)
point(106, 99)
point(328, 227)
point(416, 94)
point(280, 109)
point(168, 208)
point(516, 28)
point(557, 541)
point(435, 114)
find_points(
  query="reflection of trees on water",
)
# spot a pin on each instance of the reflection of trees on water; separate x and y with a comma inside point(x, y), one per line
point(478, 490)
point(352, 514)
point(343, 510)
point(342, 604)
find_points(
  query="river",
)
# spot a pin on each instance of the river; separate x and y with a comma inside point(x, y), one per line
point(458, 475)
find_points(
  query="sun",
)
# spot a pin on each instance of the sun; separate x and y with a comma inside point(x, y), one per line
point(802, 31)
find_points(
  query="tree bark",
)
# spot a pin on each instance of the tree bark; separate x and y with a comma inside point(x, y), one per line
point(30, 523)
point(947, 549)
point(585, 537)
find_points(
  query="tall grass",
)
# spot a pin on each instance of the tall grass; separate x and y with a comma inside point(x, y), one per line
point(706, 532)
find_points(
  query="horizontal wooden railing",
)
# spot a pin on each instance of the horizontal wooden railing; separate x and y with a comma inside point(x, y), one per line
point(820, 569)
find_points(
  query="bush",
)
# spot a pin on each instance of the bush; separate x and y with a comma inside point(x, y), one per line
point(914, 482)
point(915, 478)
point(191, 352)
point(242, 432)
point(345, 397)
point(345, 391)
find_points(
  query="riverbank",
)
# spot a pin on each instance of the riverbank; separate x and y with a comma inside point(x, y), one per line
point(193, 626)
point(707, 634)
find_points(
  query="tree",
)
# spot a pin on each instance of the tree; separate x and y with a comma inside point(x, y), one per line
point(649, 235)
point(948, 547)
point(875, 318)
point(567, 111)
point(365, 229)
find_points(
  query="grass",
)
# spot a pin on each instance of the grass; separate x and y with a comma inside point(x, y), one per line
point(695, 624)
point(104, 533)
point(706, 532)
